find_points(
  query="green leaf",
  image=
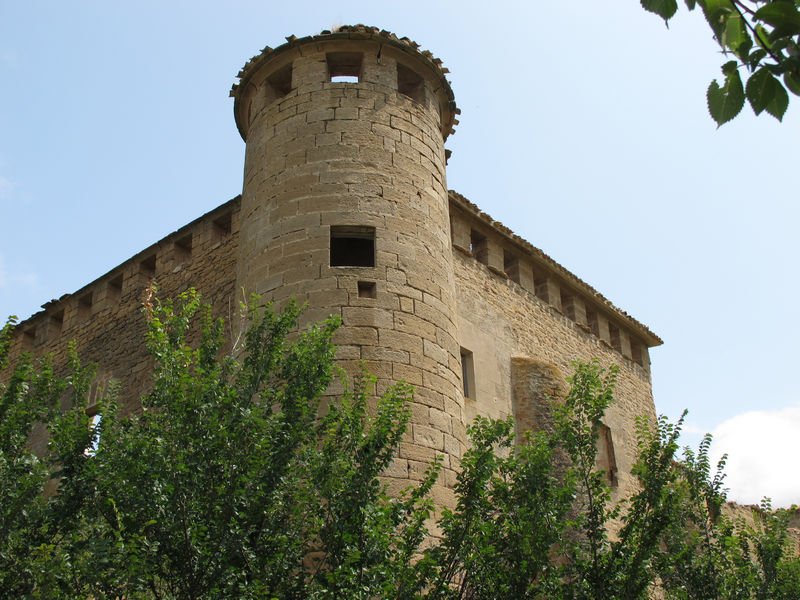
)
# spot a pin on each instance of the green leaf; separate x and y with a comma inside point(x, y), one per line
point(755, 57)
point(735, 33)
point(665, 9)
point(717, 13)
point(725, 102)
point(781, 15)
point(760, 89)
point(764, 92)
point(690, 4)
point(792, 81)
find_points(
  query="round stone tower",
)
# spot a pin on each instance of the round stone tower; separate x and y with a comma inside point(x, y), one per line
point(344, 206)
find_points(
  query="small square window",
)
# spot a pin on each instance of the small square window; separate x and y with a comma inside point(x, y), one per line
point(352, 246)
point(367, 289)
point(344, 67)
point(410, 83)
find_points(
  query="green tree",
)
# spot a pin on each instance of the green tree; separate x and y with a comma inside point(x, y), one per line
point(240, 479)
point(710, 554)
point(231, 482)
point(762, 39)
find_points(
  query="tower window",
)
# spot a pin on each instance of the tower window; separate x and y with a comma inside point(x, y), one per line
point(280, 82)
point(344, 67)
point(468, 373)
point(410, 84)
point(352, 246)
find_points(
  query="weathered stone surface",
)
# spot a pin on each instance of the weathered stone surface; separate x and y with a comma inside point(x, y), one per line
point(327, 161)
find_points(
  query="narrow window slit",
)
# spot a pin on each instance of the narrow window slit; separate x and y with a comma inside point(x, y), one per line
point(468, 373)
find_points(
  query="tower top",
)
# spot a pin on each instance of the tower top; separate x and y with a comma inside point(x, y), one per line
point(270, 61)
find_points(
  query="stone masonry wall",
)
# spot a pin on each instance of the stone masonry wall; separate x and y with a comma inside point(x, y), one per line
point(520, 345)
point(105, 319)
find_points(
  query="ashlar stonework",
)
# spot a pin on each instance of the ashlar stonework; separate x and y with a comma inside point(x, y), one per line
point(345, 207)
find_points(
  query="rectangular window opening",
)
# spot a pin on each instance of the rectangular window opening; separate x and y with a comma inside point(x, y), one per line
point(352, 246)
point(511, 266)
point(56, 324)
point(468, 373)
point(344, 67)
point(479, 246)
point(183, 248)
point(567, 304)
point(148, 266)
point(636, 352)
point(367, 289)
point(222, 225)
point(281, 82)
point(613, 332)
point(85, 306)
point(115, 288)
point(28, 339)
point(606, 459)
point(410, 83)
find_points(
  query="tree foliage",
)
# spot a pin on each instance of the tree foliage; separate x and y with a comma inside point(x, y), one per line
point(238, 478)
point(762, 38)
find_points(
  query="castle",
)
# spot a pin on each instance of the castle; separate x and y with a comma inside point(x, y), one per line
point(345, 206)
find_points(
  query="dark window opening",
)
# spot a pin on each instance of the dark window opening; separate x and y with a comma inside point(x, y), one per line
point(281, 82)
point(148, 266)
point(367, 289)
point(183, 248)
point(541, 288)
point(223, 225)
point(613, 332)
point(344, 67)
point(352, 246)
point(115, 288)
point(479, 246)
point(28, 339)
point(636, 352)
point(606, 459)
point(85, 306)
point(410, 83)
point(567, 305)
point(591, 321)
point(511, 266)
point(468, 374)
point(56, 324)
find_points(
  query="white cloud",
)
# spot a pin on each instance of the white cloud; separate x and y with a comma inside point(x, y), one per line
point(763, 449)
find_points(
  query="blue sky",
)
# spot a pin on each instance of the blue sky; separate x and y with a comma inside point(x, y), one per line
point(583, 129)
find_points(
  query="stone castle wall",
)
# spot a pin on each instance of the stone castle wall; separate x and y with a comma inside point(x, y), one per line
point(345, 206)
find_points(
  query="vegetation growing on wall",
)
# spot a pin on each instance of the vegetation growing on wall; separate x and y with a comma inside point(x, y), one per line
point(236, 480)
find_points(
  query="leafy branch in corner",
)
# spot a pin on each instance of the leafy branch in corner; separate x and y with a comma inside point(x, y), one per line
point(763, 39)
